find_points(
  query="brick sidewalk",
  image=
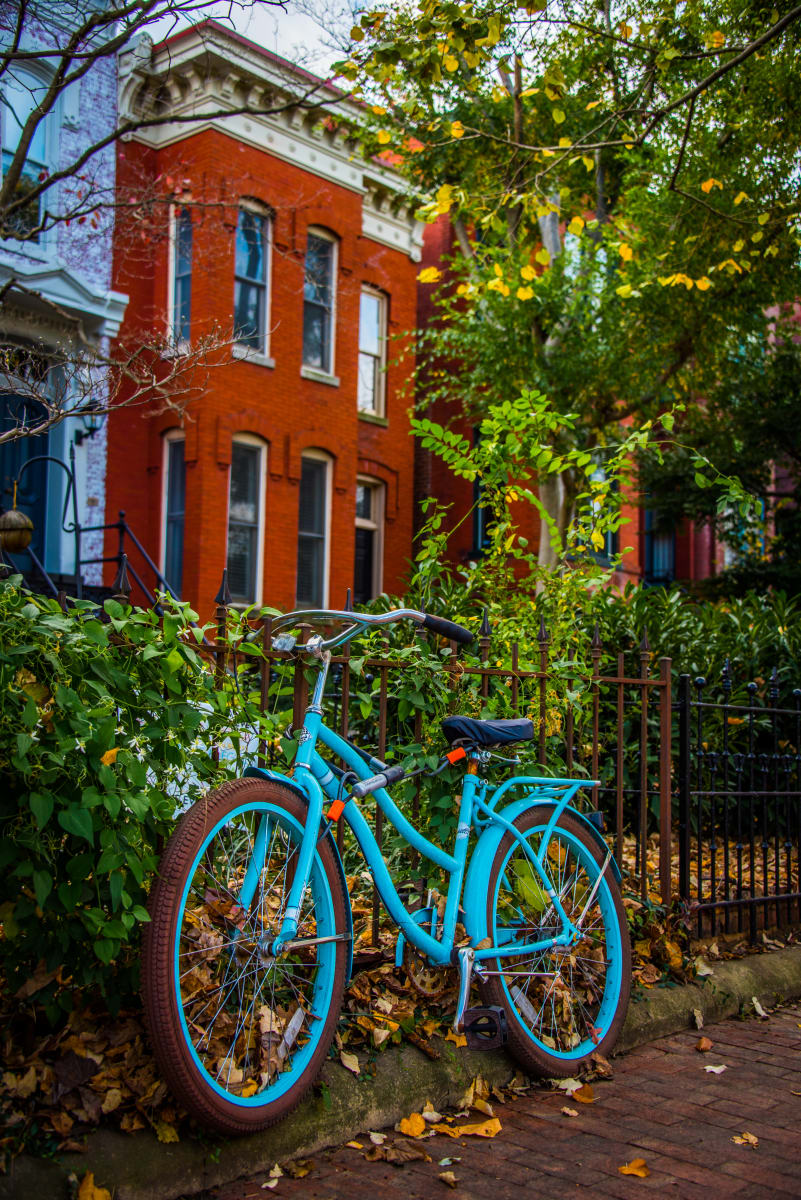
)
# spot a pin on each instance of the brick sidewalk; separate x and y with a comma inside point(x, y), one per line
point(661, 1106)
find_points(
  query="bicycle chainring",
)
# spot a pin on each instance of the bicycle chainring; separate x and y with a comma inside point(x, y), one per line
point(428, 981)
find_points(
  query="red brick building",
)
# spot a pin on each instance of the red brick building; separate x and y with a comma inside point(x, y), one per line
point(293, 465)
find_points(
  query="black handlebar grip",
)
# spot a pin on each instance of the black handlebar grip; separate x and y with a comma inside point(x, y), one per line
point(448, 629)
point(366, 786)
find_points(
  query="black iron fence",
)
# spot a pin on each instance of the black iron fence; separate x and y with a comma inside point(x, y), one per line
point(738, 788)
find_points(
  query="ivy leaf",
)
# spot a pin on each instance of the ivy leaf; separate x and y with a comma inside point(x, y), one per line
point(77, 821)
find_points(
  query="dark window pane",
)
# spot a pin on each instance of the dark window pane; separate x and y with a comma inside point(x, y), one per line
point(248, 310)
point(319, 270)
point(364, 567)
point(251, 261)
point(182, 276)
point(183, 242)
point(311, 533)
point(22, 220)
point(244, 521)
point(316, 327)
point(312, 496)
point(176, 505)
point(364, 501)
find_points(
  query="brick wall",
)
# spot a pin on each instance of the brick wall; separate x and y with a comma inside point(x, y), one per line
point(275, 403)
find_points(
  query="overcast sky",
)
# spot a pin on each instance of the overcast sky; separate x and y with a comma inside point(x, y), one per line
point(289, 33)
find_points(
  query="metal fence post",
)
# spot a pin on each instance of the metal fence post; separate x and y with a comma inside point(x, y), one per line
point(683, 781)
point(665, 763)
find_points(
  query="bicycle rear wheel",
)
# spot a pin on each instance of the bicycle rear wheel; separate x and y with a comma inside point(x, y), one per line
point(561, 1003)
point(240, 1036)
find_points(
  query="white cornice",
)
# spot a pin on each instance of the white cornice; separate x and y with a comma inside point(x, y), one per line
point(211, 69)
point(62, 289)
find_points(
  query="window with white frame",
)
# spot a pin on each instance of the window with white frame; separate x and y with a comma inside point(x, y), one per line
point(21, 92)
point(181, 275)
point(319, 295)
point(372, 351)
point(174, 509)
point(246, 518)
point(369, 558)
point(250, 278)
point(313, 521)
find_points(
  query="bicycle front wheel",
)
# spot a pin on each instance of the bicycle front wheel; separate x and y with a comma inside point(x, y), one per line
point(562, 1002)
point(240, 1036)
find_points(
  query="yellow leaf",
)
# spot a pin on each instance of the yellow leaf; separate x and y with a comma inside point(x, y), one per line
point(558, 115)
point(624, 290)
point(716, 40)
point(448, 1178)
point(703, 284)
point(635, 1167)
point(746, 1139)
point(380, 1036)
point(576, 226)
point(166, 1132)
point(458, 1039)
point(738, 199)
point(585, 1094)
point(451, 63)
point(429, 275)
point(473, 60)
point(383, 137)
point(708, 184)
point(457, 129)
point(625, 251)
point(593, 104)
point(486, 1129)
point(110, 756)
point(355, 1145)
point(498, 270)
point(89, 1190)
point(758, 236)
point(528, 272)
point(349, 1061)
point(763, 218)
point(542, 256)
point(588, 162)
point(497, 285)
point(412, 1126)
point(250, 1089)
point(378, 109)
point(357, 34)
point(569, 1112)
point(525, 293)
point(738, 245)
point(564, 141)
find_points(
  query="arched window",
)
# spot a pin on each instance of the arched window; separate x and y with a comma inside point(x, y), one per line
point(173, 508)
point(21, 92)
point(372, 352)
point(313, 530)
point(251, 278)
point(181, 276)
point(319, 301)
point(246, 496)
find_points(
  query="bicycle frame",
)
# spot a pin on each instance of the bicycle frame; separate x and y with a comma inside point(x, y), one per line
point(313, 775)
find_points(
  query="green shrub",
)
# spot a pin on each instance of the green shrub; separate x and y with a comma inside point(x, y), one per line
point(106, 731)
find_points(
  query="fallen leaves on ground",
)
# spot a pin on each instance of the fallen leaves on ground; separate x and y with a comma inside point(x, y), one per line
point(758, 1009)
point(398, 1152)
point(412, 1126)
point(485, 1129)
point(703, 1045)
point(89, 1190)
point(569, 1112)
point(746, 1139)
point(298, 1168)
point(715, 1070)
point(584, 1094)
point(349, 1061)
point(636, 1167)
point(448, 1178)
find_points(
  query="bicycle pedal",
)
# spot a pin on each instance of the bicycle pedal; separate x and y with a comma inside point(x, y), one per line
point(485, 1028)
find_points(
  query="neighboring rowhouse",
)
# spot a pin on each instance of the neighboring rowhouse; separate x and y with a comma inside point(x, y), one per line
point(654, 552)
point(58, 310)
point(292, 463)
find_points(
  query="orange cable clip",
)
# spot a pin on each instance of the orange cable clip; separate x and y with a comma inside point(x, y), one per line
point(453, 756)
point(336, 810)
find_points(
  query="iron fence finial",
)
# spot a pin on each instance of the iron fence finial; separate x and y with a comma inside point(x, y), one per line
point(725, 676)
point(485, 630)
point(595, 644)
point(121, 587)
point(223, 597)
point(348, 601)
point(543, 635)
point(774, 684)
point(645, 646)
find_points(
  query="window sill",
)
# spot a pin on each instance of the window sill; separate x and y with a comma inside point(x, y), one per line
point(374, 419)
point(246, 354)
point(319, 376)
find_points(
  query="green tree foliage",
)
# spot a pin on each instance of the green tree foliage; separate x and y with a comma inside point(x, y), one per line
point(622, 183)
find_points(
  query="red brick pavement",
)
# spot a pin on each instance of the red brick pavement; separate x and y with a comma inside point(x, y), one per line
point(661, 1106)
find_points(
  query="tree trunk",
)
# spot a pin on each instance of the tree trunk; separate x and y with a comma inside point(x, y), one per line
point(553, 497)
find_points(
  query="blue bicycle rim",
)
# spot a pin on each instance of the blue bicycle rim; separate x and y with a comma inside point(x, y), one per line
point(613, 949)
point(325, 971)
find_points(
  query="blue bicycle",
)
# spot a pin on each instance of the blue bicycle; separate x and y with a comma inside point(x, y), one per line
point(250, 943)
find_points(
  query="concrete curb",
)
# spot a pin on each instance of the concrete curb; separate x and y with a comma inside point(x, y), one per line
point(139, 1167)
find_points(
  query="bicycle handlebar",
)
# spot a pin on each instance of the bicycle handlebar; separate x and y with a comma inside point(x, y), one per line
point(357, 621)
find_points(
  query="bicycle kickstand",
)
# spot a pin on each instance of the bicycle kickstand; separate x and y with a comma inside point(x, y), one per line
point(466, 957)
